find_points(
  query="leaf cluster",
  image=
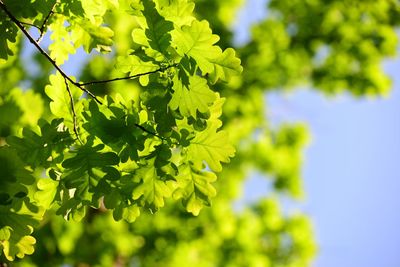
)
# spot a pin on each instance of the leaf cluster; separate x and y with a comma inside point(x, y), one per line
point(123, 155)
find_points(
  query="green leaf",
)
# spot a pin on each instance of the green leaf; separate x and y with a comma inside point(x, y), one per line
point(195, 188)
point(16, 225)
point(88, 157)
point(47, 192)
point(114, 124)
point(130, 213)
point(155, 32)
point(94, 9)
point(78, 213)
point(83, 171)
point(10, 113)
point(193, 97)
point(40, 149)
point(112, 199)
point(14, 178)
point(19, 108)
point(197, 41)
point(156, 98)
point(152, 189)
point(62, 46)
point(5, 233)
point(30, 103)
point(178, 11)
point(122, 210)
point(134, 65)
point(212, 146)
point(8, 34)
point(61, 103)
point(36, 11)
point(18, 246)
point(91, 36)
point(225, 66)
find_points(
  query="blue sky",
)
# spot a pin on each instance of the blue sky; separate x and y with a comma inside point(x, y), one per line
point(351, 171)
point(351, 174)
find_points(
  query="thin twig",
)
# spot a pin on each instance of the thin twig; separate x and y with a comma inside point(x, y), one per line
point(66, 77)
point(44, 53)
point(128, 77)
point(77, 84)
point(30, 24)
point(149, 132)
point(43, 28)
point(73, 110)
point(80, 85)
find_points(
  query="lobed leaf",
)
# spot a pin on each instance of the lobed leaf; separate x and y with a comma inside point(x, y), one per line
point(212, 146)
point(180, 12)
point(197, 41)
point(194, 186)
point(156, 31)
point(192, 97)
point(47, 190)
point(61, 103)
point(133, 65)
point(62, 46)
point(40, 149)
point(152, 189)
point(225, 66)
point(8, 34)
point(83, 172)
point(91, 36)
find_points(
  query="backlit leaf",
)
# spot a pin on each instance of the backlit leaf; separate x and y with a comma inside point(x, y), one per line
point(61, 103)
point(195, 188)
point(198, 42)
point(212, 146)
point(192, 97)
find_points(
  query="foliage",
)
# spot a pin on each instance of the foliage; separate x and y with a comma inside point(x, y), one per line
point(105, 169)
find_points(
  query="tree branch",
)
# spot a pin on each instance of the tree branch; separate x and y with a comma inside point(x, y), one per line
point(67, 79)
point(128, 77)
point(43, 28)
point(44, 53)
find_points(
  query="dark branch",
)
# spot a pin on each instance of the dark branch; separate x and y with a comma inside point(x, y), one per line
point(149, 132)
point(44, 53)
point(128, 77)
point(73, 110)
point(43, 28)
point(80, 85)
point(66, 77)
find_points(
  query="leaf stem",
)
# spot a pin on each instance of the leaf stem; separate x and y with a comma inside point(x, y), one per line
point(149, 132)
point(30, 24)
point(73, 111)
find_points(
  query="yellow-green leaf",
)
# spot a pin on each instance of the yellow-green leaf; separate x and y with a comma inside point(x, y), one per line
point(192, 97)
point(61, 103)
point(212, 146)
point(197, 41)
point(195, 188)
